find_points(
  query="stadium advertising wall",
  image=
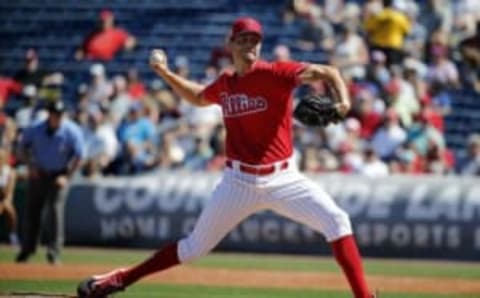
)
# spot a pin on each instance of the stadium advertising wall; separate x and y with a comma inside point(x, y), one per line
point(392, 217)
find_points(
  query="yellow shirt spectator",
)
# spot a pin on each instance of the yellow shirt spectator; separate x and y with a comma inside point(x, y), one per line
point(387, 29)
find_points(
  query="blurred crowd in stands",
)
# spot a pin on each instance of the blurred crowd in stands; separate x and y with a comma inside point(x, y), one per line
point(399, 58)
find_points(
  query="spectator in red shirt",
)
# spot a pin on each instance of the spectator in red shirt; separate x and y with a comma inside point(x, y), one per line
point(438, 161)
point(432, 115)
point(136, 88)
point(369, 119)
point(105, 41)
point(8, 87)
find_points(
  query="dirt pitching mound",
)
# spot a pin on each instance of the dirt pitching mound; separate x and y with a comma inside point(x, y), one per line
point(188, 275)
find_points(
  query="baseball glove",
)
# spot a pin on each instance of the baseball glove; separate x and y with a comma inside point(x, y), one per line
point(317, 110)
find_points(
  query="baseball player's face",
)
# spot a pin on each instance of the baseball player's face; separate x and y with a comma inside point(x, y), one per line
point(246, 47)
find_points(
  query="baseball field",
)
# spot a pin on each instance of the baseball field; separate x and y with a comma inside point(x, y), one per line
point(238, 276)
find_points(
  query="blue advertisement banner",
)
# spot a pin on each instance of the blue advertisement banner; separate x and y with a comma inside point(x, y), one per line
point(425, 217)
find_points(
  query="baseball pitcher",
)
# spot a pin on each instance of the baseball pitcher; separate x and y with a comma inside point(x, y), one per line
point(260, 173)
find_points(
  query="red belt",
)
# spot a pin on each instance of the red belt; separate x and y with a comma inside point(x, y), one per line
point(260, 170)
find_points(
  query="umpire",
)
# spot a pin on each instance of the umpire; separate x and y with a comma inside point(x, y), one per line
point(53, 150)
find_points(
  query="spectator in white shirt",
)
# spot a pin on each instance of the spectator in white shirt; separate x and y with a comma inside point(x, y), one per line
point(101, 143)
point(373, 167)
point(403, 98)
point(389, 136)
point(120, 100)
point(442, 69)
point(351, 53)
point(100, 87)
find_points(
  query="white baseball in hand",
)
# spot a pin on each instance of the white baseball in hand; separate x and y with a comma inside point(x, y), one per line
point(158, 57)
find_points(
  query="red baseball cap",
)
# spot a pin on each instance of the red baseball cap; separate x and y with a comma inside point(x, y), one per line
point(244, 25)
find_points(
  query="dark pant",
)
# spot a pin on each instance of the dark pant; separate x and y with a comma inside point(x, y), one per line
point(44, 207)
point(394, 56)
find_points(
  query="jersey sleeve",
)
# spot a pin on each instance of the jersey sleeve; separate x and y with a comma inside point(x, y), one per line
point(212, 92)
point(14, 86)
point(122, 36)
point(289, 71)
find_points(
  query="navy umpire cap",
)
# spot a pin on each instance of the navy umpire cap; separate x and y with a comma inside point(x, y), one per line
point(56, 106)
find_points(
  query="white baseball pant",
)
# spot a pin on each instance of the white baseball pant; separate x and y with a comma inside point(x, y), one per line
point(286, 192)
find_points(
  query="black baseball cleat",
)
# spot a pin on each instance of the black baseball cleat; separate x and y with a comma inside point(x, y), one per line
point(101, 286)
point(22, 257)
point(53, 259)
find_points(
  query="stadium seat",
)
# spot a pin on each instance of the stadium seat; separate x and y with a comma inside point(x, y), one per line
point(57, 27)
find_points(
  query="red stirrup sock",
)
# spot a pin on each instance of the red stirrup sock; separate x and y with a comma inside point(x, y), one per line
point(346, 252)
point(163, 259)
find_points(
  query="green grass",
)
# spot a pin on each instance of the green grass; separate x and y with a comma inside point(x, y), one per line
point(84, 256)
point(413, 268)
point(325, 264)
point(171, 291)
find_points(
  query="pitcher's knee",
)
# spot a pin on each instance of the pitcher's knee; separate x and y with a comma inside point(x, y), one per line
point(190, 249)
point(339, 226)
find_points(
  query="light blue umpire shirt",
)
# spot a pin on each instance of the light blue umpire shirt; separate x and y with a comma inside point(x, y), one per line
point(53, 152)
